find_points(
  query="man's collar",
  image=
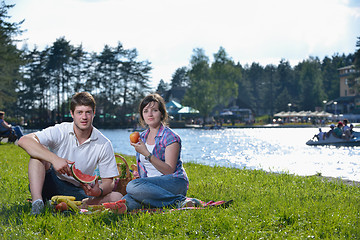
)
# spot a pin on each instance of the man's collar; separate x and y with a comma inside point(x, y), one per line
point(93, 135)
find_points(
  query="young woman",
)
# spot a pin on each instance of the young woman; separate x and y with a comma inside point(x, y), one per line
point(163, 181)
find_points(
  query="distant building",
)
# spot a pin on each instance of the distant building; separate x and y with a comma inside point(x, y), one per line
point(349, 101)
point(347, 89)
point(243, 114)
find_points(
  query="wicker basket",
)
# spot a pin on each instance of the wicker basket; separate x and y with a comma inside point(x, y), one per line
point(122, 182)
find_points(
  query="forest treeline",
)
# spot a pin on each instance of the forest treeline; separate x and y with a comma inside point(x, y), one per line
point(37, 84)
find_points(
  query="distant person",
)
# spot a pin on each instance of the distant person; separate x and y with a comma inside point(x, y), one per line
point(7, 129)
point(54, 149)
point(330, 132)
point(349, 132)
point(320, 135)
point(351, 128)
point(338, 132)
point(346, 126)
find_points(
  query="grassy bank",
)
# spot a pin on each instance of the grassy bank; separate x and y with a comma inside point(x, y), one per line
point(265, 206)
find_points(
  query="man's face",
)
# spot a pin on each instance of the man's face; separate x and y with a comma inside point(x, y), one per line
point(83, 117)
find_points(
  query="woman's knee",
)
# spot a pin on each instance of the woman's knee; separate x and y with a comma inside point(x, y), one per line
point(133, 186)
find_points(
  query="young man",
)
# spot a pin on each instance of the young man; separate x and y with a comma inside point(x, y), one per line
point(54, 149)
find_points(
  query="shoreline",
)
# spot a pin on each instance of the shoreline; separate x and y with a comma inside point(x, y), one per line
point(214, 127)
point(345, 181)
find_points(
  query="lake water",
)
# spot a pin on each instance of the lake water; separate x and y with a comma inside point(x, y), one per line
point(270, 149)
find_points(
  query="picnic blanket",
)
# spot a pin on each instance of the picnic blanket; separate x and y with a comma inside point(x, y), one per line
point(203, 205)
point(120, 209)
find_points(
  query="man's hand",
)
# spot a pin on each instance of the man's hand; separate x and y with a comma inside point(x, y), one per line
point(90, 190)
point(61, 165)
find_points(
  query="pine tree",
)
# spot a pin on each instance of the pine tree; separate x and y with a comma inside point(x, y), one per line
point(10, 60)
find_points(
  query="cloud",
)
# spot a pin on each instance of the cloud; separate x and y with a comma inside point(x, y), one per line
point(165, 32)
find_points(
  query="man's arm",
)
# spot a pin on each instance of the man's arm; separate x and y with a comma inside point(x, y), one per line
point(107, 184)
point(30, 143)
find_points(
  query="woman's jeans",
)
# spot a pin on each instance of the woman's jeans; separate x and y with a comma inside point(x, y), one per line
point(155, 192)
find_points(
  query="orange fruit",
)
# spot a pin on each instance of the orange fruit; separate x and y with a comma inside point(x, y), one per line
point(134, 137)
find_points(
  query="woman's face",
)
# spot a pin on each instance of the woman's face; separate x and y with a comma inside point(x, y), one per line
point(152, 115)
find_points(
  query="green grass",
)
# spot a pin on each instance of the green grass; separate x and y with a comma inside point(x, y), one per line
point(266, 206)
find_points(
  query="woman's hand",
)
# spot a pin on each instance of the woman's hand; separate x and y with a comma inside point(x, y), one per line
point(141, 148)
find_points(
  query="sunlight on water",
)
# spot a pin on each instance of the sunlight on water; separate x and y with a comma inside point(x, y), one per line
point(270, 149)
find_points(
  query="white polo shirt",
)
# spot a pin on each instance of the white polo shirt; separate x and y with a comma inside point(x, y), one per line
point(95, 151)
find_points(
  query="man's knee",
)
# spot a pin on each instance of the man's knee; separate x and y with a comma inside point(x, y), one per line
point(114, 196)
point(34, 162)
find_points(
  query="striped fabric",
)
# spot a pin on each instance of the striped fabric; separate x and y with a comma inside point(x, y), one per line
point(164, 137)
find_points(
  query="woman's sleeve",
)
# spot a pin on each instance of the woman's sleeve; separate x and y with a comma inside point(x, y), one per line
point(171, 137)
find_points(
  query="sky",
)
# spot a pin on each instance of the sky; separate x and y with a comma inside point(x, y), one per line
point(165, 32)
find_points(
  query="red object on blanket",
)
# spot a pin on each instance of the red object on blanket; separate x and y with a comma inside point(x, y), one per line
point(118, 207)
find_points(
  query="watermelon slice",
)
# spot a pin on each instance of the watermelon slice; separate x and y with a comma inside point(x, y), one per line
point(118, 207)
point(81, 177)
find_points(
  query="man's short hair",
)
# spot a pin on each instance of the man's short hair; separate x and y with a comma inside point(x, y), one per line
point(82, 99)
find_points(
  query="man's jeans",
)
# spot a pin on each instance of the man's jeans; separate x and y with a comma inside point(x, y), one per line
point(54, 186)
point(155, 192)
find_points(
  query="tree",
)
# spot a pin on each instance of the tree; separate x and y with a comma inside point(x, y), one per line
point(282, 100)
point(34, 91)
point(59, 70)
point(79, 71)
point(123, 79)
point(224, 77)
point(10, 60)
point(180, 78)
point(355, 78)
point(162, 88)
point(270, 88)
point(357, 54)
point(330, 79)
point(330, 75)
point(254, 76)
point(286, 78)
point(310, 77)
point(109, 75)
point(135, 75)
point(244, 98)
point(201, 92)
point(92, 80)
point(287, 87)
